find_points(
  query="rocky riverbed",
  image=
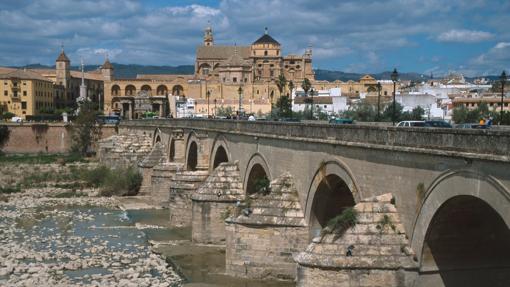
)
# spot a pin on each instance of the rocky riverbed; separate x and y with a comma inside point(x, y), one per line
point(51, 237)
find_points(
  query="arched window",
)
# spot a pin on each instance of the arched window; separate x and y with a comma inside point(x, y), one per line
point(161, 90)
point(115, 90)
point(130, 90)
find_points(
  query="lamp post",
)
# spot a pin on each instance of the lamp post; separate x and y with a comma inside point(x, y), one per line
point(394, 78)
point(240, 91)
point(311, 108)
point(214, 107)
point(208, 94)
point(379, 87)
point(503, 81)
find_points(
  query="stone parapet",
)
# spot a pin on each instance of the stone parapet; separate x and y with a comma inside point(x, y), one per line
point(213, 202)
point(374, 252)
point(184, 184)
point(269, 229)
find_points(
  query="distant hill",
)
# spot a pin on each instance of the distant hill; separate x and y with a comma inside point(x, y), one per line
point(342, 76)
point(130, 71)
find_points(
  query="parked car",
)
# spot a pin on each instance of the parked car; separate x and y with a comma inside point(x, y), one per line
point(411, 124)
point(437, 124)
point(341, 121)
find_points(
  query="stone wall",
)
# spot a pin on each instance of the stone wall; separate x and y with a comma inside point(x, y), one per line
point(263, 252)
point(43, 138)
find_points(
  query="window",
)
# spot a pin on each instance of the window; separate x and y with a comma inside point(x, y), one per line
point(245, 80)
point(385, 93)
point(265, 53)
point(15, 94)
point(24, 93)
point(5, 93)
point(325, 106)
point(272, 65)
point(234, 79)
point(257, 92)
point(23, 105)
point(298, 67)
point(271, 73)
point(277, 52)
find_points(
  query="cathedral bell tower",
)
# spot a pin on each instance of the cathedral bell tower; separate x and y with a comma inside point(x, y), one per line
point(208, 36)
point(63, 72)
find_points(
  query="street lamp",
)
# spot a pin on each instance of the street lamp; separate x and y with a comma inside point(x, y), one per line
point(214, 107)
point(311, 108)
point(208, 94)
point(503, 81)
point(394, 78)
point(379, 87)
point(240, 91)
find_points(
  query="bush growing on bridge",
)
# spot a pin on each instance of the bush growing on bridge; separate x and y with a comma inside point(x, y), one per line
point(340, 223)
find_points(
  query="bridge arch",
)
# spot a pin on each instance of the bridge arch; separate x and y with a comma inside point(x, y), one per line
point(171, 149)
point(157, 136)
point(219, 153)
point(192, 151)
point(332, 190)
point(462, 231)
point(256, 170)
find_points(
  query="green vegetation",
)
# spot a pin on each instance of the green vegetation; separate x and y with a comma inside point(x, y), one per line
point(224, 111)
point(70, 194)
point(109, 181)
point(10, 189)
point(262, 185)
point(384, 223)
point(464, 115)
point(85, 130)
point(41, 158)
point(340, 223)
point(4, 136)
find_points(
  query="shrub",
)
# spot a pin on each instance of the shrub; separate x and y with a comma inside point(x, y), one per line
point(384, 223)
point(262, 185)
point(121, 181)
point(9, 189)
point(340, 223)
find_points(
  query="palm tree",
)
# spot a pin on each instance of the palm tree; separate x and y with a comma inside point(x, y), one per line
point(281, 83)
point(291, 87)
point(306, 85)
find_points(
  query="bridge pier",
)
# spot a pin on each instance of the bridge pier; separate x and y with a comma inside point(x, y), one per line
point(162, 176)
point(374, 252)
point(261, 240)
point(156, 156)
point(213, 202)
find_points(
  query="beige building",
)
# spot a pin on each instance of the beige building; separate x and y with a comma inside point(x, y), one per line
point(25, 93)
point(219, 73)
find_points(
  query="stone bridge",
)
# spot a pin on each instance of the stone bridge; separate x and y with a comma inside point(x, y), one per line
point(432, 206)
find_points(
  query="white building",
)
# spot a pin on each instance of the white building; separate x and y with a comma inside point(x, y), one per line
point(329, 101)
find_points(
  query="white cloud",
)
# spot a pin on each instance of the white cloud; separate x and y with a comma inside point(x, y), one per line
point(464, 36)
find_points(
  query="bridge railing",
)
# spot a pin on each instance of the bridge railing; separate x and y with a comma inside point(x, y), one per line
point(489, 142)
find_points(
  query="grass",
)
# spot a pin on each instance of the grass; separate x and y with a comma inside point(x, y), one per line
point(262, 185)
point(384, 223)
point(70, 194)
point(109, 181)
point(340, 223)
point(10, 189)
point(41, 158)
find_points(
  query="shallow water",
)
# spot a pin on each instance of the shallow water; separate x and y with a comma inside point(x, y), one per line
point(199, 265)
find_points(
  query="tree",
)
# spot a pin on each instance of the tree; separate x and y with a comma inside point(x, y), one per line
point(4, 136)
point(284, 107)
point(460, 114)
point(362, 112)
point(388, 112)
point(84, 130)
point(281, 83)
point(291, 87)
point(224, 111)
point(306, 85)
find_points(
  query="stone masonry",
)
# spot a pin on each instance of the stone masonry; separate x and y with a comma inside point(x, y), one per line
point(156, 156)
point(262, 239)
point(124, 150)
point(213, 202)
point(184, 184)
point(375, 252)
point(162, 176)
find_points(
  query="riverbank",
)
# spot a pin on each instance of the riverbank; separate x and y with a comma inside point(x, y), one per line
point(55, 236)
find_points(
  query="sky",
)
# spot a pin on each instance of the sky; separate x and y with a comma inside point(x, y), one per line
point(424, 36)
